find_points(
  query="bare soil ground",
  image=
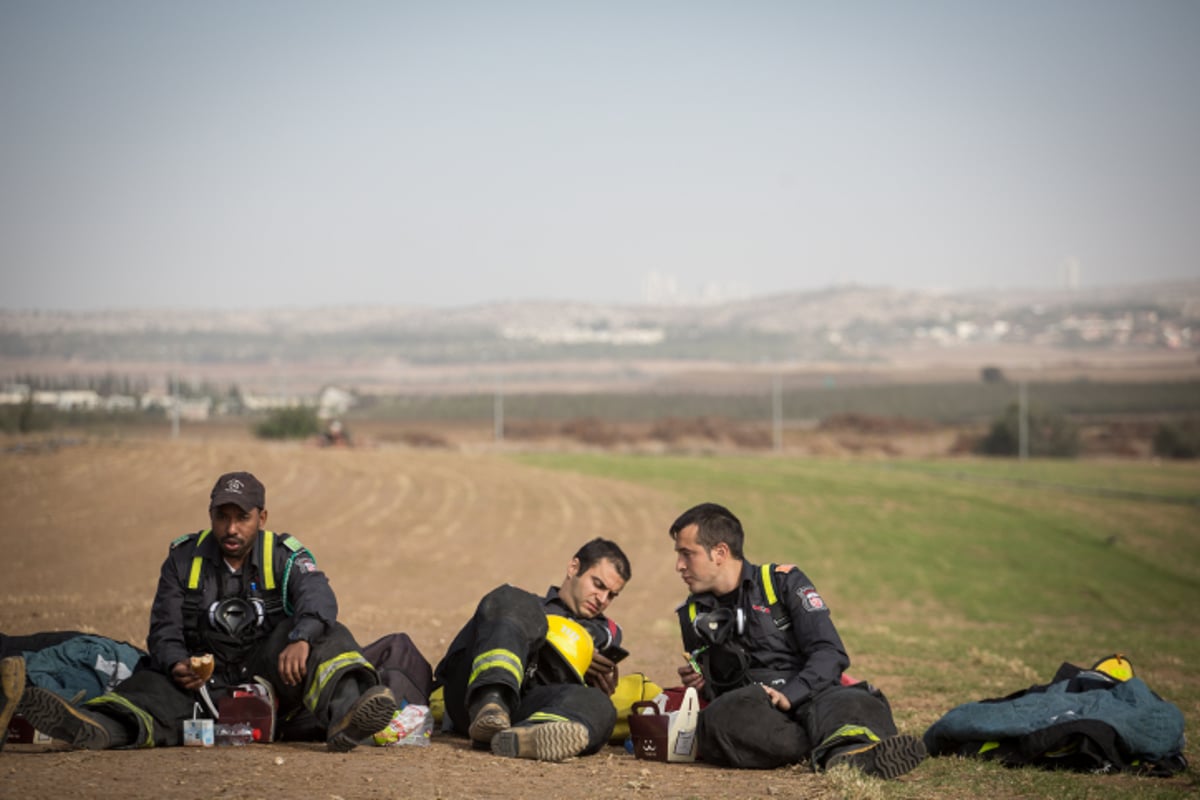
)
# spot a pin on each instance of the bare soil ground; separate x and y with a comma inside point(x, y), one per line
point(410, 539)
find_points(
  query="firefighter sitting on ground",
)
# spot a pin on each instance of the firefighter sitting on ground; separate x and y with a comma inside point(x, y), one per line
point(256, 601)
point(763, 650)
point(529, 676)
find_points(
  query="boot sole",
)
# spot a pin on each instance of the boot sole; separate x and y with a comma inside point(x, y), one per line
point(889, 759)
point(55, 717)
point(371, 714)
point(544, 741)
point(490, 720)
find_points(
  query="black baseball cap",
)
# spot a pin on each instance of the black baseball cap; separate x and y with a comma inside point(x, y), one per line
point(240, 488)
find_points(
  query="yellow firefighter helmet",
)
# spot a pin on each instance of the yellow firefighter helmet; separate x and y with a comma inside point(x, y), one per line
point(1116, 666)
point(569, 647)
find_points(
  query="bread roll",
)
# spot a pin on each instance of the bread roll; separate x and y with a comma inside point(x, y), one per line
point(203, 666)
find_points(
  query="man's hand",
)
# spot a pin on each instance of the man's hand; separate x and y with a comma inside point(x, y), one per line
point(777, 699)
point(293, 663)
point(185, 677)
point(602, 673)
point(689, 675)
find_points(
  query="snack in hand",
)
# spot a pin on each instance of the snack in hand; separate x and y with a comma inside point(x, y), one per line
point(203, 666)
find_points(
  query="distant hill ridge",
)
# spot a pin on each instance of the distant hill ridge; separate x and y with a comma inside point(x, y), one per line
point(786, 313)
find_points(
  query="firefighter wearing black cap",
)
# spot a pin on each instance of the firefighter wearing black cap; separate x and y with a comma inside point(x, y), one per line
point(257, 602)
point(762, 648)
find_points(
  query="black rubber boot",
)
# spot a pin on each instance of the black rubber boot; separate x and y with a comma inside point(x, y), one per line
point(490, 714)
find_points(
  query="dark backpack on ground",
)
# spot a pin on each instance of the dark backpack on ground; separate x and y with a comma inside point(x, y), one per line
point(401, 667)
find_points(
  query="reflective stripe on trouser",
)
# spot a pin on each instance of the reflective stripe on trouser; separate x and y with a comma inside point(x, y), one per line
point(328, 672)
point(500, 659)
point(845, 735)
point(145, 722)
point(492, 650)
point(846, 715)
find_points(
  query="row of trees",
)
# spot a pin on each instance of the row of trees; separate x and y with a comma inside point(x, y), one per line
point(1048, 434)
point(1052, 435)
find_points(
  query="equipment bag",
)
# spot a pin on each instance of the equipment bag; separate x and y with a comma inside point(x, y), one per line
point(401, 667)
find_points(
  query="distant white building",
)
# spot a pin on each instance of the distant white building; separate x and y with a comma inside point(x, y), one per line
point(13, 394)
point(253, 402)
point(195, 409)
point(573, 334)
point(155, 399)
point(119, 402)
point(69, 400)
point(334, 402)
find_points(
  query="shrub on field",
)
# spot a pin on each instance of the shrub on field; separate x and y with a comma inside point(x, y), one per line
point(751, 438)
point(992, 375)
point(1178, 439)
point(529, 429)
point(24, 418)
point(870, 423)
point(590, 430)
point(289, 423)
point(1050, 435)
point(673, 429)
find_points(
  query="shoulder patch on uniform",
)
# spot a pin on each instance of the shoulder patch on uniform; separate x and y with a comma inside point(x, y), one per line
point(811, 600)
point(305, 564)
point(181, 539)
point(291, 542)
point(784, 567)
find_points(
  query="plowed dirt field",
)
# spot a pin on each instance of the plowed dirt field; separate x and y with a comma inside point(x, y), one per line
point(410, 539)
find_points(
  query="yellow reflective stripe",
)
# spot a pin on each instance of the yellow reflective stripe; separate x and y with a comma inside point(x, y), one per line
point(768, 586)
point(497, 659)
point(145, 721)
point(268, 556)
point(197, 562)
point(988, 746)
point(1073, 747)
point(849, 732)
point(326, 670)
point(692, 611)
point(545, 716)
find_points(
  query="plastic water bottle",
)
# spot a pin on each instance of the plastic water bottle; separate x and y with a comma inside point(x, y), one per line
point(234, 735)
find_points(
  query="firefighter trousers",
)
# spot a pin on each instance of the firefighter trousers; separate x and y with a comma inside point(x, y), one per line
point(151, 707)
point(742, 729)
point(497, 649)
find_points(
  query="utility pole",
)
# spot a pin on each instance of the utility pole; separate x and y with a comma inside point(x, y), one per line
point(1023, 421)
point(777, 412)
point(174, 405)
point(498, 410)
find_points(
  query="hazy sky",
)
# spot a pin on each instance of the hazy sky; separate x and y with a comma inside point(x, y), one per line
point(250, 154)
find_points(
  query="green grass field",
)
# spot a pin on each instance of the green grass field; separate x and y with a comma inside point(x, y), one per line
point(936, 402)
point(954, 581)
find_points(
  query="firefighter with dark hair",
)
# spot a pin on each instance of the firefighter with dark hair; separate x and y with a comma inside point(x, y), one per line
point(762, 648)
point(530, 676)
point(256, 601)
